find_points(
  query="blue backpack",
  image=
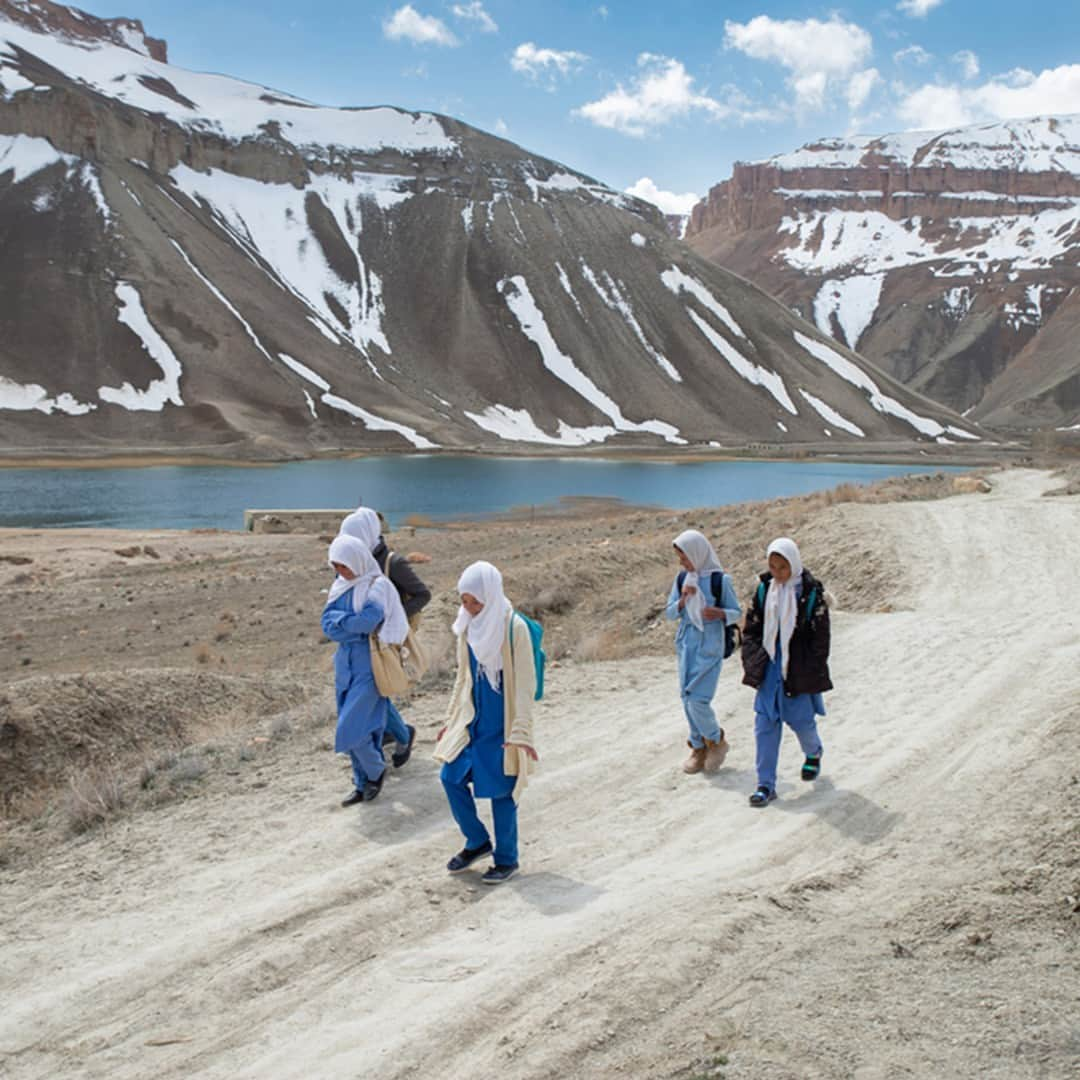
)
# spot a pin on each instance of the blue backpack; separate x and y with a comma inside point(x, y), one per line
point(536, 634)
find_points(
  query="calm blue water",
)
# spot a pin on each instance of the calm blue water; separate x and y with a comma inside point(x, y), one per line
point(184, 497)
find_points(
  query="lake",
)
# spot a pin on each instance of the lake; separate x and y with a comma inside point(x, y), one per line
point(436, 486)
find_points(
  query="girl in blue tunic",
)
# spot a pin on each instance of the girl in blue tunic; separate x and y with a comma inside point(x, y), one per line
point(486, 746)
point(361, 602)
point(785, 655)
point(703, 599)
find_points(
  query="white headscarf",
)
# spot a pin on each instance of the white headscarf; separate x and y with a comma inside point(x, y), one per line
point(486, 631)
point(781, 601)
point(364, 525)
point(369, 583)
point(704, 561)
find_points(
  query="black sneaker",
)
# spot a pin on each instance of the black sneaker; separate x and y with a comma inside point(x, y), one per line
point(373, 787)
point(763, 796)
point(353, 798)
point(811, 768)
point(467, 856)
point(496, 875)
point(399, 757)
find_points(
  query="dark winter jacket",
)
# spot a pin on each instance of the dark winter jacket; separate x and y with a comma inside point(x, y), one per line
point(808, 650)
point(415, 595)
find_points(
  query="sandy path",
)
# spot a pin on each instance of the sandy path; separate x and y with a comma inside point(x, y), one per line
point(266, 933)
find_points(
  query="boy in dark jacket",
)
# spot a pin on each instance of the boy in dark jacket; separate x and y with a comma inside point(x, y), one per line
point(785, 657)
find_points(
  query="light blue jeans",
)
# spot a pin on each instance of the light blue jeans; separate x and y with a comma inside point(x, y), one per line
point(702, 720)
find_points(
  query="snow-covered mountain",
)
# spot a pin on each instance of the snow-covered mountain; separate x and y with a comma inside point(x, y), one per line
point(951, 259)
point(189, 261)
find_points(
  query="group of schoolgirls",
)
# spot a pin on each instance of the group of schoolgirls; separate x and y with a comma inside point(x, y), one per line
point(785, 655)
point(486, 745)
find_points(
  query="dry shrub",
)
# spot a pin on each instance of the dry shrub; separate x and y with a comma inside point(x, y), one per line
point(203, 653)
point(280, 726)
point(612, 644)
point(92, 797)
point(223, 631)
point(189, 767)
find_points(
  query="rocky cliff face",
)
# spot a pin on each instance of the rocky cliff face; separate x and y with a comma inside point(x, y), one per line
point(192, 262)
point(950, 259)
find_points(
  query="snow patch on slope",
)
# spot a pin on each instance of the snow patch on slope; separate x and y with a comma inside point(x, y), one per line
point(160, 391)
point(22, 397)
point(515, 291)
point(827, 412)
point(271, 221)
point(378, 423)
point(678, 281)
point(227, 107)
point(24, 155)
point(613, 297)
point(853, 301)
point(853, 374)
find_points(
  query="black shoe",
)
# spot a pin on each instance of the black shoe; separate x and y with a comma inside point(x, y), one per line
point(811, 768)
point(399, 757)
point(498, 874)
point(373, 787)
point(353, 798)
point(763, 796)
point(467, 856)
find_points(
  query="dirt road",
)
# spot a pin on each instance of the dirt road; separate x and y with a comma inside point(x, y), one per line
point(905, 916)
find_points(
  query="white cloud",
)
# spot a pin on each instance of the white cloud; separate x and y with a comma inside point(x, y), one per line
point(913, 54)
point(968, 61)
point(1015, 94)
point(667, 201)
point(501, 127)
point(917, 9)
point(816, 53)
point(860, 86)
point(474, 12)
point(534, 62)
point(408, 24)
point(663, 92)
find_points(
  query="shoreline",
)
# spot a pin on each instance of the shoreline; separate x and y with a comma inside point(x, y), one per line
point(974, 456)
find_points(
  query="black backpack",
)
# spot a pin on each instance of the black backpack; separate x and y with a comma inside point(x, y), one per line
point(716, 584)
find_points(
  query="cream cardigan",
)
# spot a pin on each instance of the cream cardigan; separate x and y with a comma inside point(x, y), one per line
point(519, 686)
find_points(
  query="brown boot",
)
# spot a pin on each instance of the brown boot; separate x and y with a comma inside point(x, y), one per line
point(715, 752)
point(696, 761)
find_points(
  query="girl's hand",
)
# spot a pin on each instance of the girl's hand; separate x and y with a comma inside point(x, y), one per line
point(689, 590)
point(711, 614)
point(521, 746)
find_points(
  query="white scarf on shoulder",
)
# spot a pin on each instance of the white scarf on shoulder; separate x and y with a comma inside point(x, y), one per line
point(781, 602)
point(368, 584)
point(703, 558)
point(487, 631)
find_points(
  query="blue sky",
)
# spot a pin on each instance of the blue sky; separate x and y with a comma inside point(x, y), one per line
point(674, 92)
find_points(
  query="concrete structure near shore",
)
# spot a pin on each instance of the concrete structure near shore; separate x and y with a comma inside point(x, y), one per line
point(298, 521)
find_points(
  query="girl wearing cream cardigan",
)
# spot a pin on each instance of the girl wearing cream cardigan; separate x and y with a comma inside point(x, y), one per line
point(487, 741)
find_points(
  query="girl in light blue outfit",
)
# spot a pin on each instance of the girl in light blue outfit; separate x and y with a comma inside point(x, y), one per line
point(361, 602)
point(703, 600)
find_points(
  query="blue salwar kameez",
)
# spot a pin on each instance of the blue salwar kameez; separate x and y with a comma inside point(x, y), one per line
point(477, 772)
point(362, 710)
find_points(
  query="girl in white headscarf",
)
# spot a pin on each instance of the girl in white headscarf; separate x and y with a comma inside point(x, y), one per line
point(785, 655)
point(365, 525)
point(361, 602)
point(703, 599)
point(486, 745)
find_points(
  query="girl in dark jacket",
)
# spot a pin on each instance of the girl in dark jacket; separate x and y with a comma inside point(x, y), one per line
point(785, 657)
